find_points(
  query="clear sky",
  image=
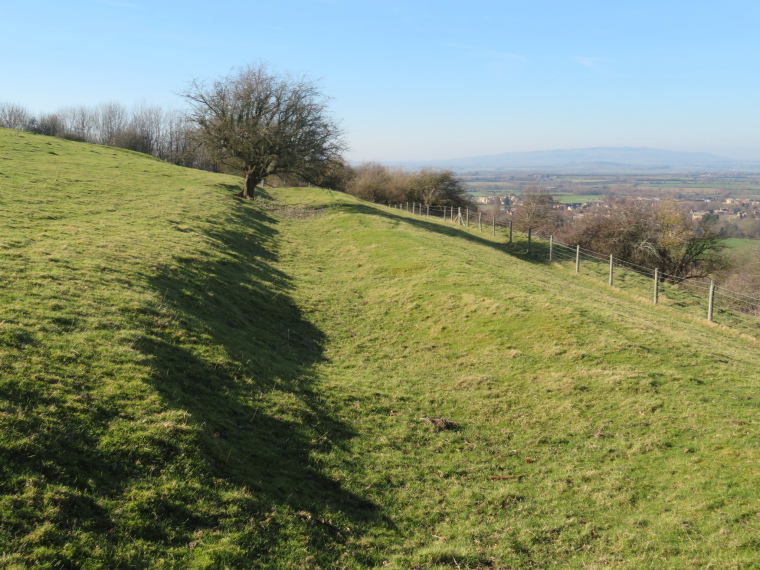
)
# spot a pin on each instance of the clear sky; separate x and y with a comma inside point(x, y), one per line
point(420, 79)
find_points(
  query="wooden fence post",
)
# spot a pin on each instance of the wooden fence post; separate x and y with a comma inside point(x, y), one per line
point(656, 285)
point(467, 222)
point(711, 302)
point(480, 220)
point(510, 231)
point(529, 232)
point(551, 247)
point(493, 228)
point(577, 258)
point(612, 262)
point(428, 211)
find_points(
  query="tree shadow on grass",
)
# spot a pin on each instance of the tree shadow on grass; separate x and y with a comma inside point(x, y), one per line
point(518, 248)
point(98, 471)
point(263, 418)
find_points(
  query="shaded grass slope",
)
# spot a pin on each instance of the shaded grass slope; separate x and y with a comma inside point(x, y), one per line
point(157, 401)
point(187, 380)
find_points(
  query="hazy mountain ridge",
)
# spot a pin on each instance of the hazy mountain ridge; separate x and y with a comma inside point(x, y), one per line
point(590, 159)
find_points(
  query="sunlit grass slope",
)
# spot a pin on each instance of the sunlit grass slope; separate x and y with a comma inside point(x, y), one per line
point(188, 380)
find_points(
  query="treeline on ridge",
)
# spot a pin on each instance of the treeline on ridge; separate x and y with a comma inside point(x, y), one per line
point(165, 134)
point(172, 136)
point(378, 183)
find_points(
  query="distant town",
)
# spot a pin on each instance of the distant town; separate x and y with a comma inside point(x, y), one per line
point(731, 201)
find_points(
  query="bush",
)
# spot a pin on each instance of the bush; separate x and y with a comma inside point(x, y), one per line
point(377, 183)
point(653, 234)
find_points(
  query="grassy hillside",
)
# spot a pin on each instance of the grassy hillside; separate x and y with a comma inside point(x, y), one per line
point(188, 380)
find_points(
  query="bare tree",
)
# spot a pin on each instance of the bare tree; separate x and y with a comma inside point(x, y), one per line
point(378, 183)
point(50, 124)
point(373, 182)
point(439, 187)
point(81, 123)
point(14, 116)
point(148, 123)
point(261, 124)
point(535, 211)
point(653, 234)
point(111, 122)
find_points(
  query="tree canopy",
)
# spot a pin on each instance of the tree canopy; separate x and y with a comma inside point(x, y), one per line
point(262, 124)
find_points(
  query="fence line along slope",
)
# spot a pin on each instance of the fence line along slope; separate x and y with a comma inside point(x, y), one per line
point(591, 429)
point(189, 380)
point(693, 295)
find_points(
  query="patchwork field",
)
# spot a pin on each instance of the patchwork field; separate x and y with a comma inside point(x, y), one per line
point(188, 380)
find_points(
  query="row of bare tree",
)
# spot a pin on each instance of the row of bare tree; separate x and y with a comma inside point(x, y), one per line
point(379, 183)
point(649, 233)
point(653, 234)
point(165, 134)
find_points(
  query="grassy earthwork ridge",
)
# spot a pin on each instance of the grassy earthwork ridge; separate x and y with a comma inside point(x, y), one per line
point(191, 381)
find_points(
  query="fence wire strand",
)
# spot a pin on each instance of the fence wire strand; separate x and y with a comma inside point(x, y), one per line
point(564, 252)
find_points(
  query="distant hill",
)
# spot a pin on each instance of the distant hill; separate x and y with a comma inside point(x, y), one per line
point(607, 159)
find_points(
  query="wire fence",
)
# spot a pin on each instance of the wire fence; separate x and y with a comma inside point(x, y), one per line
point(694, 295)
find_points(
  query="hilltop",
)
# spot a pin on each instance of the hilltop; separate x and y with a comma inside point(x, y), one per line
point(192, 380)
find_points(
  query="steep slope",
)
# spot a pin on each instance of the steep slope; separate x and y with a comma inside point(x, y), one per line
point(187, 380)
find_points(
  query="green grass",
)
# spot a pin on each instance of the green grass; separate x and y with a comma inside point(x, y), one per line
point(743, 245)
point(574, 199)
point(192, 381)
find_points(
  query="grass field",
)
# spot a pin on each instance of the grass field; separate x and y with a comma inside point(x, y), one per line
point(574, 199)
point(188, 380)
point(743, 245)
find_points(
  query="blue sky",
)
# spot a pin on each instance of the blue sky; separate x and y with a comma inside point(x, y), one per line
point(419, 80)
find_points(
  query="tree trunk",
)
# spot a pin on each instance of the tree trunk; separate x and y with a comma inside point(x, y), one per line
point(252, 178)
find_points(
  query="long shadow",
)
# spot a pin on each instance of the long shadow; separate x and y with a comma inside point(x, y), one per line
point(263, 419)
point(93, 455)
point(539, 253)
